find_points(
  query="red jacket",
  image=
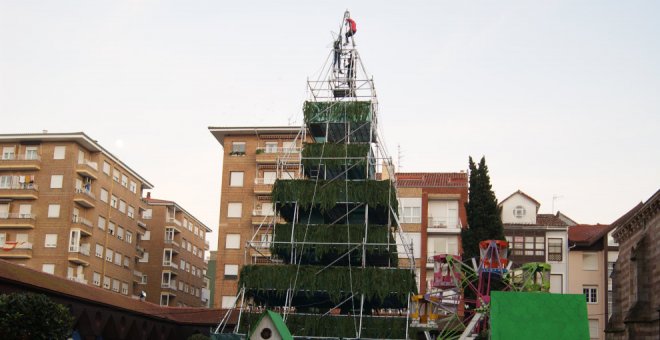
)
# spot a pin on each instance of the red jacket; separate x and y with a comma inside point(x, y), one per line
point(351, 22)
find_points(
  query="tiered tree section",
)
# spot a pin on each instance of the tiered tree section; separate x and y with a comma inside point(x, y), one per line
point(337, 246)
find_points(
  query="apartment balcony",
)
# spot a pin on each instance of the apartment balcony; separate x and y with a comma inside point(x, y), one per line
point(139, 252)
point(141, 224)
point(444, 226)
point(79, 254)
point(21, 162)
point(14, 250)
point(170, 243)
point(170, 265)
point(84, 197)
point(264, 216)
point(79, 279)
point(262, 186)
point(17, 221)
point(87, 168)
point(18, 191)
point(169, 285)
point(269, 155)
point(174, 221)
point(85, 224)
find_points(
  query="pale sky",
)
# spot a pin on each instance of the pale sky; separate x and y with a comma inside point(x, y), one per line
point(562, 97)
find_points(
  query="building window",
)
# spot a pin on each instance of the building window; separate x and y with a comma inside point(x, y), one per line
point(122, 206)
point(236, 178)
point(124, 288)
point(589, 261)
point(99, 251)
point(519, 211)
point(129, 237)
point(167, 257)
point(31, 153)
point(271, 147)
point(231, 271)
point(108, 255)
point(113, 201)
point(106, 168)
point(228, 301)
point(101, 223)
point(120, 233)
point(164, 299)
point(124, 180)
point(233, 241)
point(104, 195)
point(555, 249)
point(96, 279)
point(8, 153)
point(56, 181)
point(59, 152)
point(234, 209)
point(591, 294)
point(527, 245)
point(117, 258)
point(131, 211)
point(410, 210)
point(111, 228)
point(115, 175)
point(53, 210)
point(50, 241)
point(106, 282)
point(48, 268)
point(593, 329)
point(115, 285)
point(237, 148)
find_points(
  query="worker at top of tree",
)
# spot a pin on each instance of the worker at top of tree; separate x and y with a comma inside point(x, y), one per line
point(351, 29)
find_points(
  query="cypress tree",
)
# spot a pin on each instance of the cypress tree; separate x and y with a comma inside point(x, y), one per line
point(483, 213)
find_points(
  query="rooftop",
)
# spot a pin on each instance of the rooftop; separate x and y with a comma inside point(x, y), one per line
point(220, 132)
point(11, 272)
point(587, 234)
point(77, 137)
point(431, 179)
point(156, 201)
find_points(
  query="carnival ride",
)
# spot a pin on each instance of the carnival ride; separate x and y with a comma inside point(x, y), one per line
point(457, 304)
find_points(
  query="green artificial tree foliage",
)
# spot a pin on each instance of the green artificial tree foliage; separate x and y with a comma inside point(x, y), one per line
point(26, 316)
point(483, 212)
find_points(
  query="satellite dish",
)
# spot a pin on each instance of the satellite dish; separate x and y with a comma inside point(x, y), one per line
point(143, 295)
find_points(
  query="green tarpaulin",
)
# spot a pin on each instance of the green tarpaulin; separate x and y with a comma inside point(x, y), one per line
point(519, 315)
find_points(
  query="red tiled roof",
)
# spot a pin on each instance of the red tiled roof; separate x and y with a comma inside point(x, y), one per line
point(549, 220)
point(156, 200)
point(587, 234)
point(46, 282)
point(524, 194)
point(431, 179)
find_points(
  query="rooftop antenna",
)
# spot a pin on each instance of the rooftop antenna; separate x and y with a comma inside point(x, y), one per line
point(399, 157)
point(554, 198)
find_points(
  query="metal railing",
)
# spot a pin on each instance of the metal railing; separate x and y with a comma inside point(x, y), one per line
point(77, 279)
point(79, 248)
point(22, 158)
point(174, 220)
point(261, 181)
point(82, 220)
point(90, 164)
point(278, 149)
point(171, 241)
point(85, 192)
point(20, 186)
point(263, 212)
point(18, 216)
point(444, 223)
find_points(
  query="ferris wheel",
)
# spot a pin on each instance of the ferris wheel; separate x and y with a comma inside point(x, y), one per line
point(458, 301)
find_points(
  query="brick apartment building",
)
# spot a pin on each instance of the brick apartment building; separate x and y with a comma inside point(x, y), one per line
point(432, 214)
point(253, 158)
point(70, 208)
point(174, 255)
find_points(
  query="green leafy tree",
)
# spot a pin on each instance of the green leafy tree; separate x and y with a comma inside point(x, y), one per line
point(33, 316)
point(483, 214)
